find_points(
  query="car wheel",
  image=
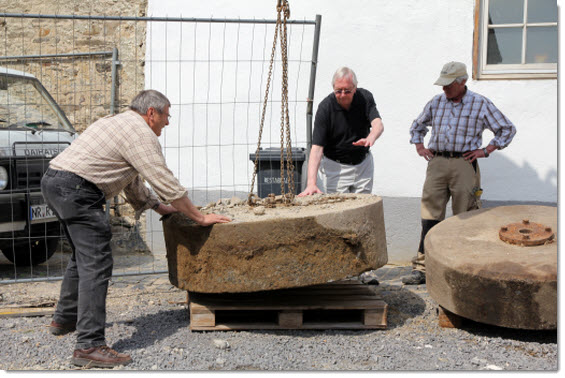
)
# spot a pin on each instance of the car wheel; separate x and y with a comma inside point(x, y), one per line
point(33, 253)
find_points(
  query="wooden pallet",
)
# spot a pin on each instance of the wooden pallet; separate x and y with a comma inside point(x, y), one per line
point(338, 305)
point(447, 319)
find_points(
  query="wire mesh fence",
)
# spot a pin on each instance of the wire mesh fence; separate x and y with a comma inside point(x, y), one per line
point(81, 68)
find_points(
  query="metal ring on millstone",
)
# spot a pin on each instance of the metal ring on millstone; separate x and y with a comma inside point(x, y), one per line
point(526, 233)
point(472, 273)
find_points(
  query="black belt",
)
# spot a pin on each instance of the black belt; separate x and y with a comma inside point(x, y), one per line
point(349, 161)
point(448, 154)
point(72, 177)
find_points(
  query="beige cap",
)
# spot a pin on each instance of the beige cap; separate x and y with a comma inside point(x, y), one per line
point(450, 72)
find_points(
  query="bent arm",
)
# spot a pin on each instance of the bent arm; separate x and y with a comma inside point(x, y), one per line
point(377, 129)
point(502, 128)
point(419, 127)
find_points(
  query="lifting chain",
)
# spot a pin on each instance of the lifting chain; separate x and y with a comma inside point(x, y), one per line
point(283, 13)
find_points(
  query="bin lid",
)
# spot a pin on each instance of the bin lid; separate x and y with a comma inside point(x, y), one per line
point(274, 154)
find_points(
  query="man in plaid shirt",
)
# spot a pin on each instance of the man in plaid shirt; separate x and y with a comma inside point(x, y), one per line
point(457, 118)
point(111, 155)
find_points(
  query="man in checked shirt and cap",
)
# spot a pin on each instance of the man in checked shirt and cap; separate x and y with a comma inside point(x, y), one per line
point(111, 155)
point(457, 118)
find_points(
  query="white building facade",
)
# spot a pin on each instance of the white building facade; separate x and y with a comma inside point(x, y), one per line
point(397, 49)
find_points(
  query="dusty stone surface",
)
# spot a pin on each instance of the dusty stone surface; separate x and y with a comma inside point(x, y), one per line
point(81, 86)
point(474, 274)
point(314, 240)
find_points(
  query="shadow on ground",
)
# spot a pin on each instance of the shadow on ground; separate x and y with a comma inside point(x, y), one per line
point(524, 335)
point(402, 306)
point(151, 328)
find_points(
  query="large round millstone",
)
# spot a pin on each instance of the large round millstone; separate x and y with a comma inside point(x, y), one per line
point(472, 273)
point(318, 239)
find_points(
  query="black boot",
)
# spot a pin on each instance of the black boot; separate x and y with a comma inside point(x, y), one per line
point(427, 225)
point(418, 277)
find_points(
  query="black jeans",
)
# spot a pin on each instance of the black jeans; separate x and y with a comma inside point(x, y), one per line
point(78, 205)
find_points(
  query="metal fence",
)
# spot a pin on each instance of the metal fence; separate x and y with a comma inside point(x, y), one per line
point(214, 71)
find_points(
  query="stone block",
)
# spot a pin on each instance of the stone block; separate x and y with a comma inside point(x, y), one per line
point(472, 273)
point(316, 240)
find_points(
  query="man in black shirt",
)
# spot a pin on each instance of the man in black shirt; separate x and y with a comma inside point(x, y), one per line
point(347, 124)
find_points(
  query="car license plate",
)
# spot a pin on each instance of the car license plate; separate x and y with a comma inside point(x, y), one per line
point(38, 213)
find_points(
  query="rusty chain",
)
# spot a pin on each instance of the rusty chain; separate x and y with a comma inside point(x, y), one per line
point(285, 120)
point(282, 8)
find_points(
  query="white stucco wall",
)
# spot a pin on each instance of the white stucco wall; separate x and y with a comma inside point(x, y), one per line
point(397, 49)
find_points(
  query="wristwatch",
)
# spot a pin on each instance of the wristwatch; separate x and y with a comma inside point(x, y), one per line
point(154, 207)
point(486, 152)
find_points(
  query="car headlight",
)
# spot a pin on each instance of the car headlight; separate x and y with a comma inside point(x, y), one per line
point(3, 178)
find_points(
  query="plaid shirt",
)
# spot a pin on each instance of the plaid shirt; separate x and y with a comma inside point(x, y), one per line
point(458, 127)
point(113, 152)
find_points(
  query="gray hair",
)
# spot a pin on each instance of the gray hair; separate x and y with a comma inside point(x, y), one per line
point(344, 72)
point(149, 98)
point(461, 79)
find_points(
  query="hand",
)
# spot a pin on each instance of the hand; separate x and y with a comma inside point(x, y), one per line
point(210, 219)
point(471, 156)
point(364, 142)
point(310, 189)
point(424, 152)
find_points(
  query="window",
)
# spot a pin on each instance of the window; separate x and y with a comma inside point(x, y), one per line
point(516, 39)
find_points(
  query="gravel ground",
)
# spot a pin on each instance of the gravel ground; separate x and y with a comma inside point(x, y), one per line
point(148, 319)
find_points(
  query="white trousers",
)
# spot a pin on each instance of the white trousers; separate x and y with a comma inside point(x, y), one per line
point(334, 177)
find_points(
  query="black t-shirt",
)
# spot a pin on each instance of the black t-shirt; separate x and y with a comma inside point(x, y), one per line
point(336, 129)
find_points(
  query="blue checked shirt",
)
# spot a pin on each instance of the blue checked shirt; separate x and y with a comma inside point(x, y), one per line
point(458, 127)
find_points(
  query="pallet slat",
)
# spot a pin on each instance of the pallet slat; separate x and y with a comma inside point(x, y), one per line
point(272, 304)
point(290, 319)
point(25, 311)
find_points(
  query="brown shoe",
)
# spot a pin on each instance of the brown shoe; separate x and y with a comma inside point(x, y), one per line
point(100, 357)
point(61, 329)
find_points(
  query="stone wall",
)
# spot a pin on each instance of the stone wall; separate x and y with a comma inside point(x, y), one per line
point(82, 86)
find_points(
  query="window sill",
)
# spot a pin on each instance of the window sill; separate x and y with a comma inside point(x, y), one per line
point(516, 76)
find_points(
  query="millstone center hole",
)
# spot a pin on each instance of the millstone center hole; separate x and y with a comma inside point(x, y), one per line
point(525, 231)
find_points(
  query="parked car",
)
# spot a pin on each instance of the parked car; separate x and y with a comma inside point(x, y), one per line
point(33, 130)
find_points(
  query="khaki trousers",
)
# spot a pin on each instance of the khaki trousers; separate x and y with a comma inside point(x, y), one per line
point(446, 178)
point(450, 177)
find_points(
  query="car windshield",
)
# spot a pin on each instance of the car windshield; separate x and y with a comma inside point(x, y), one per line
point(25, 104)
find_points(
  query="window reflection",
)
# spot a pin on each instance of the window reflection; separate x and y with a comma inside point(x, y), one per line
point(542, 11)
point(506, 11)
point(508, 46)
point(541, 45)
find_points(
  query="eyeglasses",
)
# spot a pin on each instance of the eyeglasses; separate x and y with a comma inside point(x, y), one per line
point(343, 91)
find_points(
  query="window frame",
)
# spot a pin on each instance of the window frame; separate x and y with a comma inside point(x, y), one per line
point(482, 70)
